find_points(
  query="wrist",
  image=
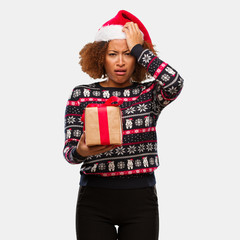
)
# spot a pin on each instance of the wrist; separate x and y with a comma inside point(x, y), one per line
point(76, 154)
point(136, 50)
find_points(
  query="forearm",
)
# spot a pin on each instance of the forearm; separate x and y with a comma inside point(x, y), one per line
point(73, 131)
point(170, 81)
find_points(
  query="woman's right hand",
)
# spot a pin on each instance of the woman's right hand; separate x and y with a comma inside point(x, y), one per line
point(86, 151)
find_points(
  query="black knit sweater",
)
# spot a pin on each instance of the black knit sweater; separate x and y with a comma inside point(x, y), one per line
point(137, 158)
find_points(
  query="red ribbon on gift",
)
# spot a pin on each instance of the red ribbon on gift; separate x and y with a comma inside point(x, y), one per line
point(103, 118)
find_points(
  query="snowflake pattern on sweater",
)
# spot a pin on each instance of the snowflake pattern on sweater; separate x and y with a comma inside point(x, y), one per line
point(142, 104)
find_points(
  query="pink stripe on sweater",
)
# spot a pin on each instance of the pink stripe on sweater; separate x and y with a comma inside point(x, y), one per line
point(140, 130)
point(71, 139)
point(150, 63)
point(71, 114)
point(129, 172)
point(159, 70)
point(170, 99)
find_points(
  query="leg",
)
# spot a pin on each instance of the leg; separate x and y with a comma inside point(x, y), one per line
point(141, 216)
point(91, 221)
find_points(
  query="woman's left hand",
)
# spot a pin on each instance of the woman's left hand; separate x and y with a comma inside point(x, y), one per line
point(133, 34)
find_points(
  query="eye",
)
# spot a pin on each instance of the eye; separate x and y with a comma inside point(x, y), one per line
point(112, 54)
point(128, 53)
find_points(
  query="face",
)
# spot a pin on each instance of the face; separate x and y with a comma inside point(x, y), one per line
point(119, 64)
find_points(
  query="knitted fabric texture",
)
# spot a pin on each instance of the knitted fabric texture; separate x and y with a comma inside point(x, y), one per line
point(142, 104)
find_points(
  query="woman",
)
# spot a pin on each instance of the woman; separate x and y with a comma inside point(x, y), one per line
point(117, 185)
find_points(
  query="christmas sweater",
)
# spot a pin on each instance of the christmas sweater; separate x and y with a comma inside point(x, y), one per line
point(142, 105)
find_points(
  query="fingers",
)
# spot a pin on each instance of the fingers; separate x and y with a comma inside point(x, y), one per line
point(85, 150)
point(82, 139)
point(132, 27)
point(133, 34)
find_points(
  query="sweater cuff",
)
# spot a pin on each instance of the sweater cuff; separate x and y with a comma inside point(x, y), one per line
point(76, 156)
point(137, 50)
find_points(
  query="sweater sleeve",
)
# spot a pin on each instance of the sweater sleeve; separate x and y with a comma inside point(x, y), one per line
point(73, 129)
point(169, 82)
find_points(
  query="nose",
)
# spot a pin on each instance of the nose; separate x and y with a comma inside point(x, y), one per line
point(120, 61)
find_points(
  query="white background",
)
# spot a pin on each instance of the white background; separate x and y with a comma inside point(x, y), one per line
point(198, 180)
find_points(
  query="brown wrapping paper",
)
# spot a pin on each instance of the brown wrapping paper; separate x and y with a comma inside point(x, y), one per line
point(92, 131)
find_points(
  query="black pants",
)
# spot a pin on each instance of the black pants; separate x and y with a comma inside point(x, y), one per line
point(135, 211)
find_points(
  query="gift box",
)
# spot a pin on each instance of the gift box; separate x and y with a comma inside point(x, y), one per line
point(103, 123)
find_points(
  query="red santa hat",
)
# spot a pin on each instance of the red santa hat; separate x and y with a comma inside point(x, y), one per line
point(112, 29)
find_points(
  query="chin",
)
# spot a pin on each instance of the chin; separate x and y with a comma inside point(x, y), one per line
point(119, 82)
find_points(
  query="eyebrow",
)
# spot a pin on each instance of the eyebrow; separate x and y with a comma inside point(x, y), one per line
point(117, 51)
